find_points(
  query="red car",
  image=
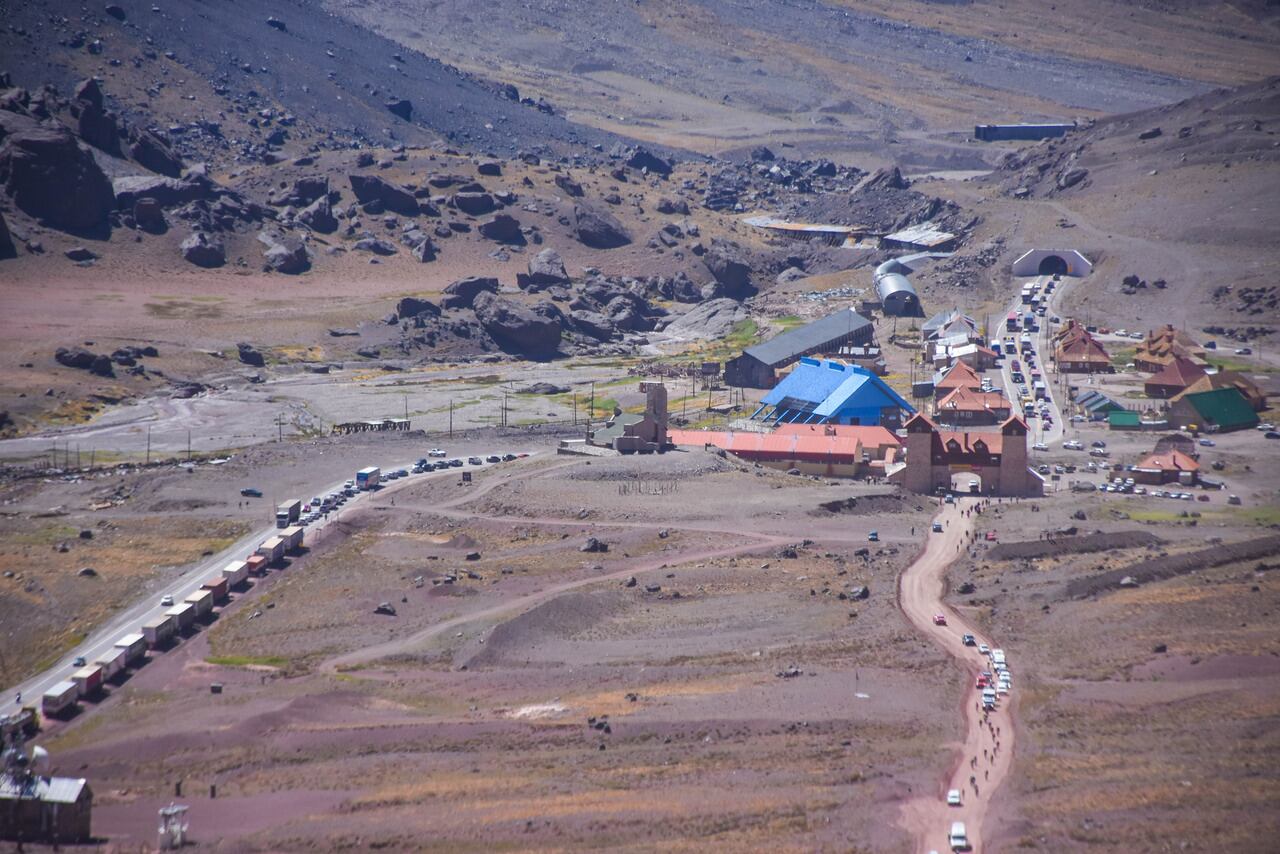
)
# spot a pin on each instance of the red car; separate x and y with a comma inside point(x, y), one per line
point(939, 619)
point(981, 683)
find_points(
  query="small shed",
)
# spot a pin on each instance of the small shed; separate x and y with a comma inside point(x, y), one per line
point(34, 808)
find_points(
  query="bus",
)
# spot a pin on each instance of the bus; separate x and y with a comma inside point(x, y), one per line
point(1011, 322)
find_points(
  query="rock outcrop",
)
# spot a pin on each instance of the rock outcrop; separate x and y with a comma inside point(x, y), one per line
point(517, 327)
point(463, 293)
point(49, 176)
point(284, 253)
point(598, 229)
point(378, 195)
point(545, 269)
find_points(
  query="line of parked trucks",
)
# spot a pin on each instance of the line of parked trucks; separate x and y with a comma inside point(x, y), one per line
point(179, 617)
point(158, 632)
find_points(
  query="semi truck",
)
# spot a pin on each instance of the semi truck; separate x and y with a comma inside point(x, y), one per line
point(184, 615)
point(256, 564)
point(202, 600)
point(367, 478)
point(292, 538)
point(112, 662)
point(288, 513)
point(59, 698)
point(235, 573)
point(272, 550)
point(134, 646)
point(88, 680)
point(159, 631)
point(218, 586)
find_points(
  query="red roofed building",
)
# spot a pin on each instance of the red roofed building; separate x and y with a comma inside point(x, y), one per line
point(960, 376)
point(997, 458)
point(822, 449)
point(965, 407)
point(1167, 467)
point(1077, 351)
point(1174, 378)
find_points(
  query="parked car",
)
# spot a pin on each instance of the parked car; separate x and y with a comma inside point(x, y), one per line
point(968, 640)
point(953, 798)
point(251, 492)
point(1207, 443)
point(1073, 445)
point(939, 619)
point(983, 648)
point(493, 458)
point(937, 527)
point(1244, 351)
point(1039, 446)
point(436, 452)
point(506, 458)
point(1271, 434)
point(873, 536)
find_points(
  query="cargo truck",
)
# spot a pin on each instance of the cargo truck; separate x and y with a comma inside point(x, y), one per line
point(203, 602)
point(256, 564)
point(288, 513)
point(272, 550)
point(23, 721)
point(111, 662)
point(235, 573)
point(59, 698)
point(88, 679)
point(292, 539)
point(368, 478)
point(159, 631)
point(184, 615)
point(218, 586)
point(134, 646)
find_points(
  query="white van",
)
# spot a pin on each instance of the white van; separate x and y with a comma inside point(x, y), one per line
point(958, 839)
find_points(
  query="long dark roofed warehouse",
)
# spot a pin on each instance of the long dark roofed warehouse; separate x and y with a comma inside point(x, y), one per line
point(757, 366)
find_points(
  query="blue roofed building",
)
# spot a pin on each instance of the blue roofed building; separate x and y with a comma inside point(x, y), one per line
point(822, 391)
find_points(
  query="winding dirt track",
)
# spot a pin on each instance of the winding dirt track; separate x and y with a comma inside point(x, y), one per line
point(983, 756)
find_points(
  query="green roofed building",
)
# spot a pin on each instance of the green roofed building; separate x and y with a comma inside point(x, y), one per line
point(1221, 410)
point(1124, 419)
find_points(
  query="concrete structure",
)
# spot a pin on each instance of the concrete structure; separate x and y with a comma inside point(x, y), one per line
point(827, 450)
point(997, 458)
point(1051, 262)
point(644, 433)
point(832, 235)
point(825, 391)
point(897, 296)
point(366, 426)
point(924, 237)
point(758, 366)
point(35, 808)
point(1033, 130)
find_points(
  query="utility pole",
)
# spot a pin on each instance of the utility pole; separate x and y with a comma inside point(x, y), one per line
point(188, 446)
point(148, 444)
point(406, 406)
point(591, 407)
point(450, 418)
point(575, 409)
point(280, 427)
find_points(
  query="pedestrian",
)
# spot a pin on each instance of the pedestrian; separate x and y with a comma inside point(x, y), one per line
point(986, 775)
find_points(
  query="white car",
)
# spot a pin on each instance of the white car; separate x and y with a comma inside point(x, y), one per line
point(166, 601)
point(1039, 446)
point(953, 798)
point(983, 648)
point(1073, 445)
point(436, 452)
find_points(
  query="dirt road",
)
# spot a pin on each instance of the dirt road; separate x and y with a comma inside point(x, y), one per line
point(987, 750)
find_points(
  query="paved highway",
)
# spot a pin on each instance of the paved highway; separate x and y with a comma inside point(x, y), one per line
point(1042, 341)
point(102, 640)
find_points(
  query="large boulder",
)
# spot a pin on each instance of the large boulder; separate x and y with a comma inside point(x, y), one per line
point(708, 321)
point(474, 203)
point(284, 253)
point(401, 107)
point(78, 357)
point(203, 250)
point(148, 150)
point(502, 228)
point(7, 248)
point(568, 185)
point(673, 206)
point(94, 124)
point(593, 324)
point(375, 245)
point(545, 269)
point(301, 192)
point(372, 190)
point(318, 216)
point(463, 293)
point(729, 270)
point(598, 229)
point(643, 158)
point(51, 177)
point(168, 192)
point(250, 355)
point(424, 250)
point(517, 327)
point(412, 307)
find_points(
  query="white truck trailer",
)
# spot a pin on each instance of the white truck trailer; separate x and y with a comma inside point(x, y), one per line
point(59, 698)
